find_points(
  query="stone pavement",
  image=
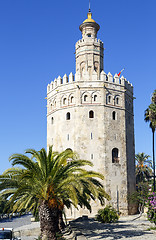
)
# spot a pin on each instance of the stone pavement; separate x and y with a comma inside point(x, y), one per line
point(16, 222)
point(129, 228)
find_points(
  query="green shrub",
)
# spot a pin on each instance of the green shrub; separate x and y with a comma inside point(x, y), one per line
point(107, 215)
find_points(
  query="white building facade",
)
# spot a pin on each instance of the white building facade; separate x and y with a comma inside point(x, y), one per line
point(91, 112)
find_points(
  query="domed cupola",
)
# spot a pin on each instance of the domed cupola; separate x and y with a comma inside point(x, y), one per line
point(89, 27)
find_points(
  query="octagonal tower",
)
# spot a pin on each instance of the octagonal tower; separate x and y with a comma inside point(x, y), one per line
point(91, 112)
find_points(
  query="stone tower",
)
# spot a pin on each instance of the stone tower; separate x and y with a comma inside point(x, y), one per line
point(92, 113)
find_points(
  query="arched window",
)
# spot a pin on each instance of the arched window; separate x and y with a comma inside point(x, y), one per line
point(109, 99)
point(85, 98)
point(114, 115)
point(72, 99)
point(68, 116)
point(115, 155)
point(117, 100)
point(64, 101)
point(91, 114)
point(51, 106)
point(52, 120)
point(95, 98)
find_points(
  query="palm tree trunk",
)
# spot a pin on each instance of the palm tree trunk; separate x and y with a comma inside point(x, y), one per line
point(48, 221)
point(61, 222)
point(153, 130)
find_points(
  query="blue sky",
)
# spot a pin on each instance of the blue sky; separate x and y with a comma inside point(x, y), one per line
point(37, 44)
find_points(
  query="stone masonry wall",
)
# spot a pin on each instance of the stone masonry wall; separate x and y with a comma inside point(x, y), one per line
point(69, 102)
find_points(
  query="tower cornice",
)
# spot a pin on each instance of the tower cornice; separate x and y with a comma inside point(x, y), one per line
point(89, 24)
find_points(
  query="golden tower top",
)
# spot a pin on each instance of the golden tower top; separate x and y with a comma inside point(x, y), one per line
point(89, 19)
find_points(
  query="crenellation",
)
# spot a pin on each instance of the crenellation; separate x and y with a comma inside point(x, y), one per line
point(59, 81)
point(110, 77)
point(65, 79)
point(94, 77)
point(103, 76)
point(52, 85)
point(71, 77)
point(122, 81)
point(128, 86)
point(55, 83)
point(81, 42)
point(116, 79)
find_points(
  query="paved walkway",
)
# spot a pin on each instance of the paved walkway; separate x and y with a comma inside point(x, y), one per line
point(15, 222)
point(129, 228)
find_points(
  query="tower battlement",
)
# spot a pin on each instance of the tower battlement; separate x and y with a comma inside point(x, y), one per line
point(92, 40)
point(106, 78)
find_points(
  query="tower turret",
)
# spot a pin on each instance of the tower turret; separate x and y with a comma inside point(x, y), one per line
point(89, 50)
point(89, 28)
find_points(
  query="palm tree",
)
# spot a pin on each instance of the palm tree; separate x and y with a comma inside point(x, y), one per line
point(49, 182)
point(150, 116)
point(154, 97)
point(143, 167)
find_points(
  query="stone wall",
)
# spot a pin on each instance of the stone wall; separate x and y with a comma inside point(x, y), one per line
point(69, 125)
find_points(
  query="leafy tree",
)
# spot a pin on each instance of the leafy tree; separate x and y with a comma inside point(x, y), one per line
point(150, 116)
point(49, 182)
point(140, 196)
point(143, 174)
point(143, 167)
